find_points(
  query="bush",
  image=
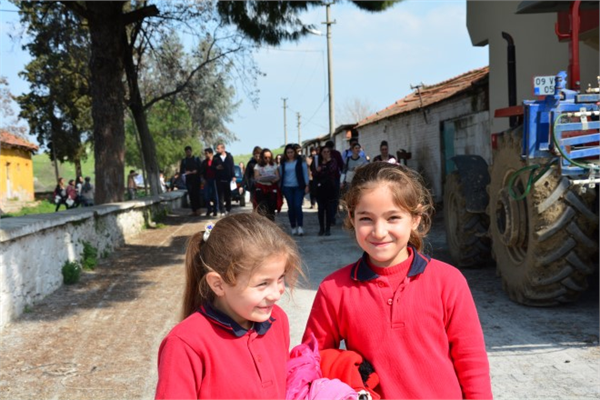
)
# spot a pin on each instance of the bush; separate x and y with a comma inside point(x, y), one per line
point(89, 256)
point(71, 271)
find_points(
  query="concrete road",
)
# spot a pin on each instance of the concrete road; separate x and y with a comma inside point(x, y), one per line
point(99, 339)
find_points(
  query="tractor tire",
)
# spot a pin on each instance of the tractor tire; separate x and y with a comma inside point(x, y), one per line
point(544, 245)
point(466, 232)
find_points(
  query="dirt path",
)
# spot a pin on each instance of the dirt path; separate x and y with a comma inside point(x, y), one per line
point(99, 339)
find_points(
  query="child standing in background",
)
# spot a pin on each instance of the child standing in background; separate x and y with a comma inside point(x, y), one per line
point(233, 341)
point(412, 316)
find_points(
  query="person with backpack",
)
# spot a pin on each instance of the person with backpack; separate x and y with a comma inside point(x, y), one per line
point(87, 193)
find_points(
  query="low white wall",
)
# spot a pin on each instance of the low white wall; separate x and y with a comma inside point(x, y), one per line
point(34, 248)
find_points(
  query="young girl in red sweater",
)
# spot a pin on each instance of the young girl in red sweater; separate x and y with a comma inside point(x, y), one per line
point(233, 341)
point(411, 316)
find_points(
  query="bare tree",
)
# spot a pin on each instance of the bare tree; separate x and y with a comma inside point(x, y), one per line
point(354, 110)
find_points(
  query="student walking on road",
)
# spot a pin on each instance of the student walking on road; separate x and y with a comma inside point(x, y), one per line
point(190, 169)
point(411, 316)
point(294, 185)
point(236, 271)
point(225, 173)
point(267, 194)
point(326, 174)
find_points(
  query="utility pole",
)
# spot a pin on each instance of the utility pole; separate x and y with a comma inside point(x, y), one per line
point(299, 135)
point(284, 122)
point(330, 70)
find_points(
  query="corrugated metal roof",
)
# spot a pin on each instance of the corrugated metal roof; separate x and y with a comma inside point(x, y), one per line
point(15, 141)
point(430, 94)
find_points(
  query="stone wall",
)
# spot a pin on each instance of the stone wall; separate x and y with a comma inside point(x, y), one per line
point(34, 248)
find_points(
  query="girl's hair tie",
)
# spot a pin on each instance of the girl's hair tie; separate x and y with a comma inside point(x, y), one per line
point(207, 229)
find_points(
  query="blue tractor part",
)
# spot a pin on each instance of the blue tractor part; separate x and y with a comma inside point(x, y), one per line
point(565, 125)
point(543, 222)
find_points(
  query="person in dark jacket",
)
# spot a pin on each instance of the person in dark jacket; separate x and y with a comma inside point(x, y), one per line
point(190, 169)
point(224, 174)
point(249, 172)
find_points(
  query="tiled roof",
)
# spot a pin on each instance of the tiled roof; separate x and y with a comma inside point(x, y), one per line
point(15, 141)
point(430, 94)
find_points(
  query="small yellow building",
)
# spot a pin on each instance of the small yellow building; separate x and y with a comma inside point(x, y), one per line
point(16, 168)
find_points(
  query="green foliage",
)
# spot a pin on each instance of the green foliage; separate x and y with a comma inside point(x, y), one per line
point(71, 272)
point(58, 105)
point(89, 256)
point(43, 208)
point(171, 128)
point(28, 309)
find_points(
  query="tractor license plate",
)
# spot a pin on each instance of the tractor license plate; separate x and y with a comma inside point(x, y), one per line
point(543, 85)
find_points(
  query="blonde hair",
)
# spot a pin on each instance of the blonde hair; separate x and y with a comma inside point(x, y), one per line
point(408, 191)
point(237, 243)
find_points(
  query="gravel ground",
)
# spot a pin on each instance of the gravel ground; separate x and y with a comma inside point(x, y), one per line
point(99, 339)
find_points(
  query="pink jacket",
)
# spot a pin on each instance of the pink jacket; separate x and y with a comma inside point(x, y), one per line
point(305, 380)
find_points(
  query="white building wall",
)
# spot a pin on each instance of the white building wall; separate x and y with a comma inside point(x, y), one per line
point(537, 50)
point(423, 139)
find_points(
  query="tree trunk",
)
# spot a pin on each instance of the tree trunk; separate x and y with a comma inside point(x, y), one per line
point(77, 163)
point(136, 105)
point(106, 67)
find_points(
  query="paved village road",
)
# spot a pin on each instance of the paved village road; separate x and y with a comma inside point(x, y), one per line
point(99, 338)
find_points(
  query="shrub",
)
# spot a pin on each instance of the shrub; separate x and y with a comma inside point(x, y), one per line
point(71, 271)
point(89, 256)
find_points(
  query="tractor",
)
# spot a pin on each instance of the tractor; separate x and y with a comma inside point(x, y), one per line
point(535, 208)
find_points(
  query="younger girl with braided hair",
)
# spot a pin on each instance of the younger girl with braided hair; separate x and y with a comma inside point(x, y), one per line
point(234, 340)
point(411, 316)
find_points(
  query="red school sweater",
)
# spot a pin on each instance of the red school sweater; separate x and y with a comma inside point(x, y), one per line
point(209, 356)
point(424, 340)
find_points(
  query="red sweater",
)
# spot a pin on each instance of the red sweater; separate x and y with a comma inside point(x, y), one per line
point(209, 356)
point(424, 340)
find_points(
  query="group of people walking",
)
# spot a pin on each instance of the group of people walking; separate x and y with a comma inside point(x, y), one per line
point(215, 173)
point(78, 192)
point(408, 321)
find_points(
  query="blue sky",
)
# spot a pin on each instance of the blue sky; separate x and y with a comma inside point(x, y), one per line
point(376, 58)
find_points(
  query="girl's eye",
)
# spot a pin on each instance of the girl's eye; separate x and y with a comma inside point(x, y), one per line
point(364, 219)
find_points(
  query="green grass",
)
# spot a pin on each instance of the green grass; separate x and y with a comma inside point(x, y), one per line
point(45, 177)
point(43, 208)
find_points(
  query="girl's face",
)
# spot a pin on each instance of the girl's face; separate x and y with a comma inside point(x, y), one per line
point(326, 153)
point(267, 157)
point(382, 228)
point(384, 150)
point(290, 154)
point(253, 297)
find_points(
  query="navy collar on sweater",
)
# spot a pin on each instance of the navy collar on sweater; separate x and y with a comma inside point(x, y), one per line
point(226, 322)
point(363, 273)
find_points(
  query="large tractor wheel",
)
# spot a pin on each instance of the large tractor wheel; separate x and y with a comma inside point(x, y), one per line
point(544, 245)
point(466, 232)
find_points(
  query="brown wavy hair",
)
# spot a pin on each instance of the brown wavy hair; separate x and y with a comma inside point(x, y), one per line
point(408, 190)
point(237, 243)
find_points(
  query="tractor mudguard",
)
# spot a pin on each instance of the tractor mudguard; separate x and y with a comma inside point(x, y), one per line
point(475, 177)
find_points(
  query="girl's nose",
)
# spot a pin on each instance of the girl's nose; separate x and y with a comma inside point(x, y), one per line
point(379, 230)
point(277, 292)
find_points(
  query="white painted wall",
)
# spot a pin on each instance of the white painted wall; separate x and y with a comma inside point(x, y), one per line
point(422, 138)
point(34, 248)
point(537, 51)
